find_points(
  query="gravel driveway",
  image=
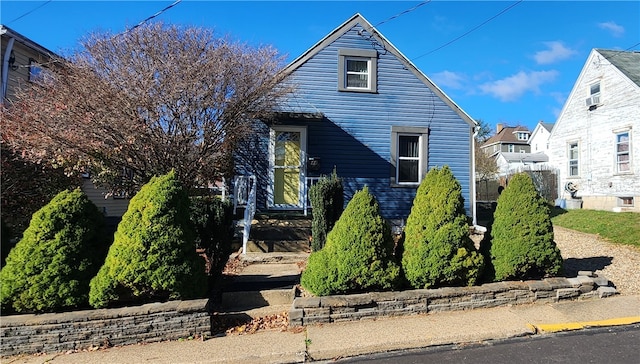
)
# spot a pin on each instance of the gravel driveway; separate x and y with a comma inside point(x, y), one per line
point(619, 263)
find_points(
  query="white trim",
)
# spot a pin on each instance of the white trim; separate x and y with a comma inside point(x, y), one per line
point(303, 166)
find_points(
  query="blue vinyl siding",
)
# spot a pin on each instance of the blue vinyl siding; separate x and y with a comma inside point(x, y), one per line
point(355, 134)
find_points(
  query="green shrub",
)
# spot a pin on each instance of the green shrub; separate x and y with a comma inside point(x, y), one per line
point(153, 255)
point(358, 255)
point(522, 245)
point(50, 267)
point(327, 200)
point(437, 247)
point(213, 222)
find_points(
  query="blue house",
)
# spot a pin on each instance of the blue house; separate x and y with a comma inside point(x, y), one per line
point(361, 107)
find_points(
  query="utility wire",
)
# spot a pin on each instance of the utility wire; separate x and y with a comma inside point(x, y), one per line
point(402, 13)
point(30, 11)
point(152, 16)
point(469, 31)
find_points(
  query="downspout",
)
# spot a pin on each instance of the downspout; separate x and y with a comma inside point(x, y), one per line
point(476, 227)
point(5, 67)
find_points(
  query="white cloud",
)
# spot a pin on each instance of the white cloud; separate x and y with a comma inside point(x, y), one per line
point(556, 52)
point(512, 87)
point(449, 79)
point(615, 29)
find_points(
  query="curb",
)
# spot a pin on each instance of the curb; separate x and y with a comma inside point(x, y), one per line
point(569, 326)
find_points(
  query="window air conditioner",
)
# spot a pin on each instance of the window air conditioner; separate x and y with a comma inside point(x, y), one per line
point(593, 100)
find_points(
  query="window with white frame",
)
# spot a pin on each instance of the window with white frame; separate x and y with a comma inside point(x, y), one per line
point(573, 157)
point(357, 70)
point(623, 160)
point(510, 148)
point(408, 155)
point(523, 136)
point(594, 89)
point(625, 201)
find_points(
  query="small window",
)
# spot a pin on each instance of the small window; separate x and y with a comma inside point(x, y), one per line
point(35, 71)
point(357, 70)
point(510, 148)
point(625, 201)
point(594, 89)
point(408, 158)
point(573, 154)
point(623, 161)
point(408, 155)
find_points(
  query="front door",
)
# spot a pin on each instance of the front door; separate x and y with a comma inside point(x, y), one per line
point(287, 156)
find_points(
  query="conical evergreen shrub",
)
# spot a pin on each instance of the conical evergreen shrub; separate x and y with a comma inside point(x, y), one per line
point(50, 267)
point(522, 245)
point(153, 256)
point(437, 247)
point(327, 199)
point(358, 254)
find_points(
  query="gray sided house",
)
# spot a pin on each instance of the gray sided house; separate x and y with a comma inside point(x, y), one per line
point(361, 107)
point(595, 143)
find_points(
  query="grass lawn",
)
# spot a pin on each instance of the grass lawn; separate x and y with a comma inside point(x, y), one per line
point(616, 227)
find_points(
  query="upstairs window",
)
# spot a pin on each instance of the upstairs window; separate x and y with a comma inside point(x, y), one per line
point(408, 158)
point(510, 148)
point(573, 158)
point(523, 136)
point(35, 71)
point(357, 70)
point(594, 89)
point(408, 155)
point(623, 161)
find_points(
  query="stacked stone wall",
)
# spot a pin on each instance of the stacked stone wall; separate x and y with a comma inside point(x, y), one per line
point(78, 330)
point(316, 310)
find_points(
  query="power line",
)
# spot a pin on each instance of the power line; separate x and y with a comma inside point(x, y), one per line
point(402, 13)
point(469, 31)
point(30, 11)
point(152, 16)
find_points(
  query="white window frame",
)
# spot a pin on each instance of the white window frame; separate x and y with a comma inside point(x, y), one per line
point(423, 142)
point(370, 56)
point(575, 161)
point(592, 87)
point(622, 201)
point(618, 154)
point(511, 148)
point(522, 135)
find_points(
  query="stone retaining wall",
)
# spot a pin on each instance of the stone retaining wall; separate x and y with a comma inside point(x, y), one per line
point(314, 310)
point(55, 332)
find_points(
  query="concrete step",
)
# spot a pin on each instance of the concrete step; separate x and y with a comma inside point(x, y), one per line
point(253, 300)
point(279, 246)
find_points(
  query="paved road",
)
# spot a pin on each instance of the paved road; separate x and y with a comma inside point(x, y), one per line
point(618, 345)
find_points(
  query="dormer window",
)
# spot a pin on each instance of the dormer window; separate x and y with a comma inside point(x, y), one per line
point(523, 136)
point(357, 70)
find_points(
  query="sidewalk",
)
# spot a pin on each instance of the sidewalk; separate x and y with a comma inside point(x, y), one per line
point(336, 340)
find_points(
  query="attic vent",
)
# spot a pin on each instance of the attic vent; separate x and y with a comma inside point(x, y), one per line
point(593, 100)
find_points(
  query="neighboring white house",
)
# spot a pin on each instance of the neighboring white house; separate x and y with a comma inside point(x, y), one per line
point(595, 141)
point(539, 139)
point(512, 163)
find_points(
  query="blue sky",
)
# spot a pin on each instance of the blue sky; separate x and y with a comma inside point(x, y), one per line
point(512, 62)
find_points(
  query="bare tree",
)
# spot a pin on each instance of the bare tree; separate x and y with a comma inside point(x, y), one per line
point(156, 98)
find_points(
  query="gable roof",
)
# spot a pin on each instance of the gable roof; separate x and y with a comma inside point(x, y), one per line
point(507, 135)
point(374, 34)
point(5, 31)
point(627, 62)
